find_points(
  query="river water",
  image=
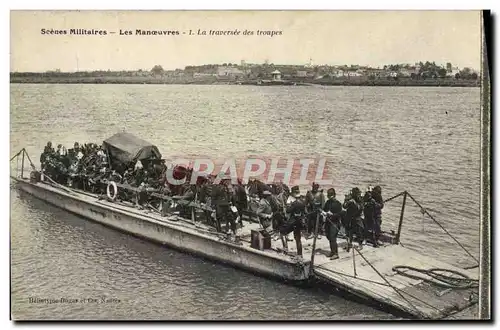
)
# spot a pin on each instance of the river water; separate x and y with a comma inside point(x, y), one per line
point(424, 140)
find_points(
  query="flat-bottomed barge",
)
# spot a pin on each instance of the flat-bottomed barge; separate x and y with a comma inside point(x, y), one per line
point(389, 275)
point(366, 273)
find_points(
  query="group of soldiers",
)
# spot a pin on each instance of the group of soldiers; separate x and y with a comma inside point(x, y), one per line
point(63, 165)
point(87, 166)
point(359, 216)
point(279, 210)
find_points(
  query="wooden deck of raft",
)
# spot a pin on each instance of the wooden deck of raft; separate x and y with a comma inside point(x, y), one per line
point(414, 296)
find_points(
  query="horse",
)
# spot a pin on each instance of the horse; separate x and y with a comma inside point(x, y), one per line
point(257, 187)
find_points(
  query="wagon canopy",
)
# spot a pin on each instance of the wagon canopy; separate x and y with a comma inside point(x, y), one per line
point(125, 148)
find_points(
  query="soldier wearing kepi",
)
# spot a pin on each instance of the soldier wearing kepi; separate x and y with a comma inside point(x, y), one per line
point(354, 210)
point(368, 211)
point(221, 199)
point(48, 152)
point(296, 210)
point(377, 212)
point(315, 200)
point(333, 210)
point(240, 199)
point(265, 210)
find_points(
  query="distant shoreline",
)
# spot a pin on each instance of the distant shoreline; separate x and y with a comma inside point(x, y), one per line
point(402, 82)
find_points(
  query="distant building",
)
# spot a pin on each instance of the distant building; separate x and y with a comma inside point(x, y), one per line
point(199, 75)
point(310, 64)
point(301, 73)
point(452, 72)
point(338, 73)
point(376, 73)
point(174, 73)
point(361, 72)
point(408, 71)
point(229, 71)
point(276, 75)
point(354, 74)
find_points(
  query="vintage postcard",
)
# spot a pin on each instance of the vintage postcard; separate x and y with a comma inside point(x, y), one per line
point(249, 165)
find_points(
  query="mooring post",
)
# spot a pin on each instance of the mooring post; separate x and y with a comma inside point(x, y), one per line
point(398, 235)
point(22, 165)
point(311, 266)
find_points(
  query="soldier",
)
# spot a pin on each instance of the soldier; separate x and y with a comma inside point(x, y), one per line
point(221, 200)
point(315, 200)
point(377, 213)
point(368, 212)
point(354, 222)
point(48, 152)
point(188, 195)
point(240, 199)
point(295, 210)
point(277, 206)
point(333, 209)
point(265, 210)
point(205, 197)
point(59, 150)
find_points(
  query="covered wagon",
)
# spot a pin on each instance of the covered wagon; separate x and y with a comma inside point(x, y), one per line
point(125, 149)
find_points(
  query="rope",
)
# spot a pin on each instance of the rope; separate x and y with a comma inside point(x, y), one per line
point(16, 155)
point(444, 229)
point(379, 283)
point(424, 211)
point(351, 276)
point(29, 159)
point(461, 281)
point(58, 184)
point(396, 196)
point(416, 310)
point(472, 267)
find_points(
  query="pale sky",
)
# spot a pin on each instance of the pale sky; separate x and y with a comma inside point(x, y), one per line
point(370, 38)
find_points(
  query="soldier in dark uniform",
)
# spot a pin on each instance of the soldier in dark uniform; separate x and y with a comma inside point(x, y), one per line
point(188, 194)
point(221, 200)
point(48, 152)
point(139, 177)
point(240, 199)
point(354, 210)
point(315, 200)
point(278, 214)
point(265, 210)
point(333, 209)
point(377, 212)
point(48, 148)
point(73, 153)
point(296, 210)
point(205, 197)
point(368, 212)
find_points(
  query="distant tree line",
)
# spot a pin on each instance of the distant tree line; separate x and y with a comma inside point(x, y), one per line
point(427, 70)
